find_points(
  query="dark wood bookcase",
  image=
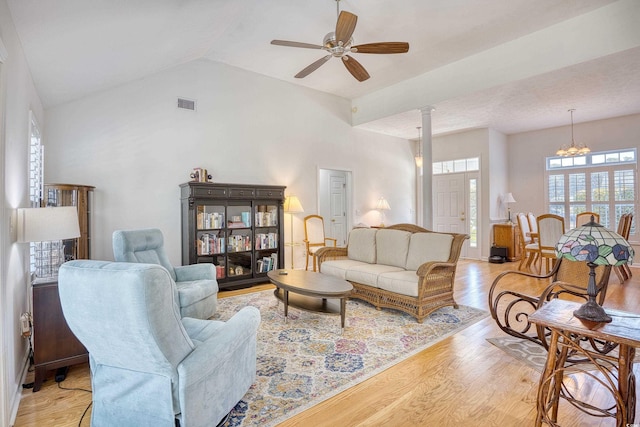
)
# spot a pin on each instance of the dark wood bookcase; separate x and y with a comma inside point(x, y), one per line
point(236, 227)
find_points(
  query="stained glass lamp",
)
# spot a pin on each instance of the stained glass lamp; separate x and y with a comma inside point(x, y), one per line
point(596, 245)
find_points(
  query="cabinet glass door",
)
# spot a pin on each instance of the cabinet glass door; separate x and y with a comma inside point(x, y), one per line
point(266, 237)
point(210, 236)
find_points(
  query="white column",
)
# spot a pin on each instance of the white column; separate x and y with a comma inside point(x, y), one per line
point(427, 166)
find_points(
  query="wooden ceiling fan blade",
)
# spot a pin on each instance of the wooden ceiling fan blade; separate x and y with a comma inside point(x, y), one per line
point(311, 68)
point(355, 68)
point(382, 47)
point(345, 26)
point(296, 44)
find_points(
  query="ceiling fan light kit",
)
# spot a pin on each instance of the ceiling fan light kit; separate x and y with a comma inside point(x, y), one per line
point(339, 44)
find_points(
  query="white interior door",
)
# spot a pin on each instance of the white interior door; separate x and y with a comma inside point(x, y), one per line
point(333, 203)
point(337, 224)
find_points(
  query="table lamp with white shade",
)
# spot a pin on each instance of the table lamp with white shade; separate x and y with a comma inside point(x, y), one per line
point(508, 199)
point(292, 206)
point(47, 227)
point(382, 205)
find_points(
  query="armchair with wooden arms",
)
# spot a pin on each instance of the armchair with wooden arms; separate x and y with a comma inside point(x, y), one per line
point(314, 238)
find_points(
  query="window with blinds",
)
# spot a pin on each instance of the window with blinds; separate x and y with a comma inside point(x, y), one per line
point(605, 183)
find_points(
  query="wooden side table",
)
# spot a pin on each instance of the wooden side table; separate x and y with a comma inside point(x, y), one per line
point(54, 345)
point(507, 235)
point(567, 333)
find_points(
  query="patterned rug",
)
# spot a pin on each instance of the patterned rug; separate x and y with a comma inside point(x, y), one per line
point(534, 355)
point(526, 351)
point(306, 360)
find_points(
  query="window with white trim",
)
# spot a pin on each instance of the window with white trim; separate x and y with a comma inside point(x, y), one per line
point(36, 176)
point(604, 182)
point(455, 166)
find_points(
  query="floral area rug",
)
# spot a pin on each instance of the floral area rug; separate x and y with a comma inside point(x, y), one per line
point(307, 359)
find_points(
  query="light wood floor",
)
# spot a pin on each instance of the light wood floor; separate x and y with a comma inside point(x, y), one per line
point(461, 381)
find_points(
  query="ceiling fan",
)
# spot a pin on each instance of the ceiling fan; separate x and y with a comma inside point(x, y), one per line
point(339, 44)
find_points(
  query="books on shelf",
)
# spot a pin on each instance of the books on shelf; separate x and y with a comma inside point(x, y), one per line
point(239, 243)
point(266, 216)
point(266, 240)
point(210, 244)
point(267, 263)
point(207, 220)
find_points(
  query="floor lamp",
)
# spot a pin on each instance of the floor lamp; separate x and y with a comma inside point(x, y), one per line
point(292, 206)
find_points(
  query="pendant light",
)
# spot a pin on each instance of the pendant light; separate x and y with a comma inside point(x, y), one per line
point(573, 149)
point(419, 150)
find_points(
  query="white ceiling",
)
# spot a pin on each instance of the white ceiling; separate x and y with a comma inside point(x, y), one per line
point(78, 47)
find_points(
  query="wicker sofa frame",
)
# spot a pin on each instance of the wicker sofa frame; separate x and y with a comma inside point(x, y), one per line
point(435, 280)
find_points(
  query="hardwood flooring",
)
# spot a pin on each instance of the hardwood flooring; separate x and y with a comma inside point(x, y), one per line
point(461, 381)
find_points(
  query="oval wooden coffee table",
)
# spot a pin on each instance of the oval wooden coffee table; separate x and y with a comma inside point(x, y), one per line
point(310, 291)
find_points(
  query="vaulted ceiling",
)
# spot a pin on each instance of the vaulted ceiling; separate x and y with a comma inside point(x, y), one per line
point(77, 47)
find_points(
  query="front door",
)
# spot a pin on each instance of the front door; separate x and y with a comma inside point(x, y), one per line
point(455, 207)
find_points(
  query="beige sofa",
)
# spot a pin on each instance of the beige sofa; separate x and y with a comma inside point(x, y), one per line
point(403, 266)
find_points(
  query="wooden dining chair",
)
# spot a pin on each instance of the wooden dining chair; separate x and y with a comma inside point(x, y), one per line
point(584, 217)
point(314, 238)
point(528, 248)
point(533, 226)
point(550, 229)
point(624, 229)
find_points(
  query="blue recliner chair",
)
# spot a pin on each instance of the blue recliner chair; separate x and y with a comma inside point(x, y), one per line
point(196, 284)
point(149, 366)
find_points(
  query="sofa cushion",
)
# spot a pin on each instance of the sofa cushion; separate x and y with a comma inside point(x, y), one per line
point(392, 247)
point(339, 267)
point(367, 274)
point(403, 282)
point(426, 247)
point(362, 245)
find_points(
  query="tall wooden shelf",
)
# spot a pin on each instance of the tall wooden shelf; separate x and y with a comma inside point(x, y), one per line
point(236, 227)
point(80, 196)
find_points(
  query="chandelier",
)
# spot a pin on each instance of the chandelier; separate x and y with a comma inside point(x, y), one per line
point(573, 149)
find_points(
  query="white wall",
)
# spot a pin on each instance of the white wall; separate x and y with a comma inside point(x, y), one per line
point(17, 97)
point(136, 147)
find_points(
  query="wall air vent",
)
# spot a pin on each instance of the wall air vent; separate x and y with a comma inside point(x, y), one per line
point(187, 104)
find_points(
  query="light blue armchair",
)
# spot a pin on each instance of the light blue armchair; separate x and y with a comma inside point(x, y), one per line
point(196, 284)
point(149, 366)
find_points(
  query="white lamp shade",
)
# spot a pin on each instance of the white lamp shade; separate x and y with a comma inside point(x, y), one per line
point(382, 204)
point(292, 205)
point(508, 198)
point(47, 224)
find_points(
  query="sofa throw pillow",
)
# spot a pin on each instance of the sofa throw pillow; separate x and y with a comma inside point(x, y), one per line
point(428, 247)
point(392, 247)
point(362, 245)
